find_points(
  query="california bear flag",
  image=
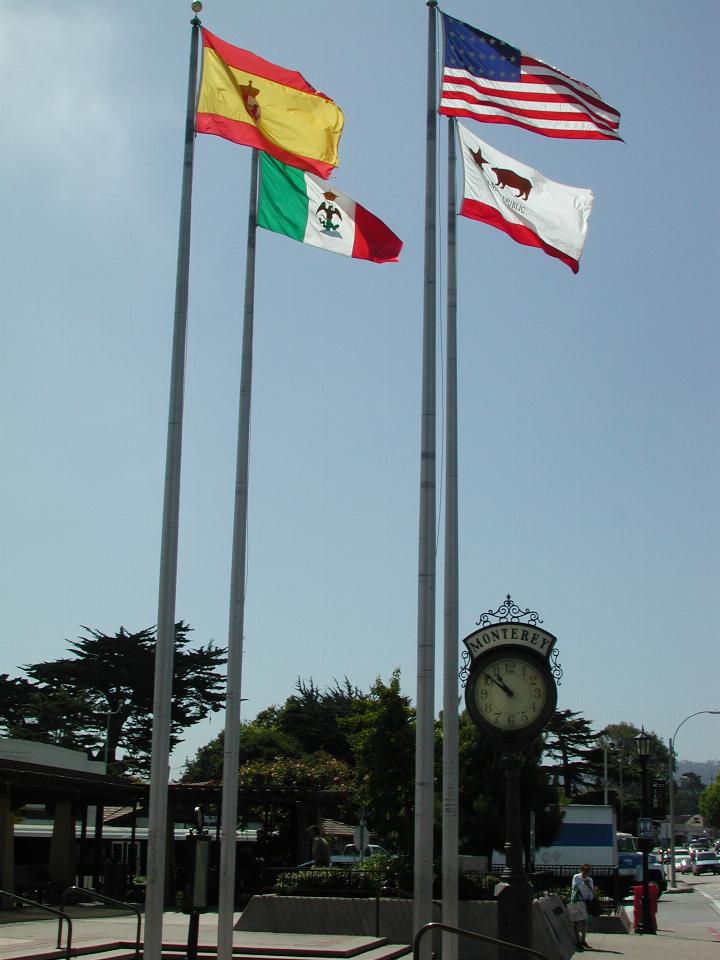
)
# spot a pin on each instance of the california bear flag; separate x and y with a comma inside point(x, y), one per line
point(311, 210)
point(522, 202)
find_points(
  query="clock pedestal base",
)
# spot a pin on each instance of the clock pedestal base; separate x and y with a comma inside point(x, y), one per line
point(515, 916)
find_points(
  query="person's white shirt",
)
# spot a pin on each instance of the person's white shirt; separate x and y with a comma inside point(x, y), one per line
point(585, 886)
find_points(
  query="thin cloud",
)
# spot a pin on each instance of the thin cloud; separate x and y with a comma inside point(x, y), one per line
point(66, 104)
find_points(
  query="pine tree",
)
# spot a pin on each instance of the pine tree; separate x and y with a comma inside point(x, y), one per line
point(101, 698)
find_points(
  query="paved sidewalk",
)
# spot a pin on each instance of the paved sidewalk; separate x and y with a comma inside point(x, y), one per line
point(27, 937)
point(688, 929)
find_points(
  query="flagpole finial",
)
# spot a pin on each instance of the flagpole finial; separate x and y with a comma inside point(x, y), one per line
point(196, 7)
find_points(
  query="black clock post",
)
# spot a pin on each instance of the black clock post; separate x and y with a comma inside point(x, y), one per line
point(510, 694)
point(515, 897)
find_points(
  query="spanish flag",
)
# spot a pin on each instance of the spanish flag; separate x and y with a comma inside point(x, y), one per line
point(253, 102)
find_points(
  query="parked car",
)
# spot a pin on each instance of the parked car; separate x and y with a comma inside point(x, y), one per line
point(656, 874)
point(370, 850)
point(348, 858)
point(336, 860)
point(683, 864)
point(706, 861)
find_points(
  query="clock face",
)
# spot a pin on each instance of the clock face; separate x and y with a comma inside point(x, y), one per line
point(511, 693)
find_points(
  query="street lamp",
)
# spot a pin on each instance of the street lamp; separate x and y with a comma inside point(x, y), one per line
point(604, 744)
point(642, 745)
point(108, 714)
point(671, 788)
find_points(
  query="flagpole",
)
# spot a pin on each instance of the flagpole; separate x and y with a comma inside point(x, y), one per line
point(165, 642)
point(424, 734)
point(231, 753)
point(450, 821)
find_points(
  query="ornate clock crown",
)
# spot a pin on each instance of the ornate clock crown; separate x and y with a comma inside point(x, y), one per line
point(510, 612)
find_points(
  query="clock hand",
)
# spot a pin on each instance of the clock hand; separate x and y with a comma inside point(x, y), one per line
point(502, 685)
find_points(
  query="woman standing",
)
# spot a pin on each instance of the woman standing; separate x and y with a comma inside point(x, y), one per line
point(582, 891)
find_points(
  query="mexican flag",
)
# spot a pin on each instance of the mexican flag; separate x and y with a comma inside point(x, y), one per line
point(311, 210)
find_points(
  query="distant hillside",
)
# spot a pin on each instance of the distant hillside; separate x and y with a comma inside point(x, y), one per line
point(707, 770)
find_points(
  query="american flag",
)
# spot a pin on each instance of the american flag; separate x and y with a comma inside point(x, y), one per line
point(488, 80)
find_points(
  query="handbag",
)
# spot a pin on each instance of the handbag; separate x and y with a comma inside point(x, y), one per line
point(593, 907)
point(577, 911)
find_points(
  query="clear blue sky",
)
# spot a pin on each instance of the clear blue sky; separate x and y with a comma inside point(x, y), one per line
point(589, 449)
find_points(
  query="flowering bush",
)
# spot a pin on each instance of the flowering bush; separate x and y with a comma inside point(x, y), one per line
point(322, 773)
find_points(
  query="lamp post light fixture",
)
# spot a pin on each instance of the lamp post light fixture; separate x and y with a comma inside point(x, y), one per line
point(642, 745)
point(671, 789)
point(108, 714)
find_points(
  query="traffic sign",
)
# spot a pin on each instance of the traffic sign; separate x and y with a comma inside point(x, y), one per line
point(657, 797)
point(645, 828)
point(361, 838)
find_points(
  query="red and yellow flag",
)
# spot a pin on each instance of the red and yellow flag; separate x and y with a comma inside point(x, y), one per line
point(253, 102)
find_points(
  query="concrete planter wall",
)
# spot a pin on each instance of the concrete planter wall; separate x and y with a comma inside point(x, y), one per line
point(391, 919)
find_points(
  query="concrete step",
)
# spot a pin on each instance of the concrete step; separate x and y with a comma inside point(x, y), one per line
point(305, 945)
point(374, 950)
point(106, 951)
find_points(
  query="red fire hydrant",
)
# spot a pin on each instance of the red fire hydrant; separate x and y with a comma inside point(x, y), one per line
point(638, 905)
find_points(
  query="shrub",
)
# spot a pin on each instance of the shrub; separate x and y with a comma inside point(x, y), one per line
point(330, 881)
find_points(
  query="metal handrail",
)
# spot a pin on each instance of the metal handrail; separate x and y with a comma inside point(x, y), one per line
point(94, 895)
point(459, 932)
point(43, 906)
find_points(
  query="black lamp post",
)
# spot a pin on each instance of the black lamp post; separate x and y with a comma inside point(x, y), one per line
point(642, 745)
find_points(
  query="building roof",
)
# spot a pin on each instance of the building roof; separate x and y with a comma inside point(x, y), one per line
point(40, 783)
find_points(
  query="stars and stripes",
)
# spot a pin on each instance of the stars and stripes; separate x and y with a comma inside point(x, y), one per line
point(488, 80)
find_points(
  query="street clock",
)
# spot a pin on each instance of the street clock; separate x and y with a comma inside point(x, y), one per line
point(510, 694)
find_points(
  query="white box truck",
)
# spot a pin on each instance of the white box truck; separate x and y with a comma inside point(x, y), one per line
point(588, 834)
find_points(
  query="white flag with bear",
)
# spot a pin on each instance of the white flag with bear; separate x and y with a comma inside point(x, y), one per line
point(526, 205)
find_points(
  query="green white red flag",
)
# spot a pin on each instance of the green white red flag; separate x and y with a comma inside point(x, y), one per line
point(313, 211)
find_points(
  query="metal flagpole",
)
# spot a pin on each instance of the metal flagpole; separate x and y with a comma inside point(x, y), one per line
point(165, 642)
point(423, 845)
point(450, 668)
point(231, 754)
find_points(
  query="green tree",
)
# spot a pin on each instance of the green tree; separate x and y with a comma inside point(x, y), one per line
point(257, 742)
point(709, 803)
point(482, 794)
point(381, 734)
point(308, 723)
point(30, 712)
point(15, 695)
point(313, 718)
point(102, 697)
point(624, 775)
point(571, 752)
point(320, 773)
point(687, 793)
point(622, 751)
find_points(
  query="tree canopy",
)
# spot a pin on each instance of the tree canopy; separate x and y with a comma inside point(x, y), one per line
point(571, 753)
point(338, 740)
point(101, 699)
point(482, 794)
point(709, 803)
point(381, 735)
point(362, 745)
